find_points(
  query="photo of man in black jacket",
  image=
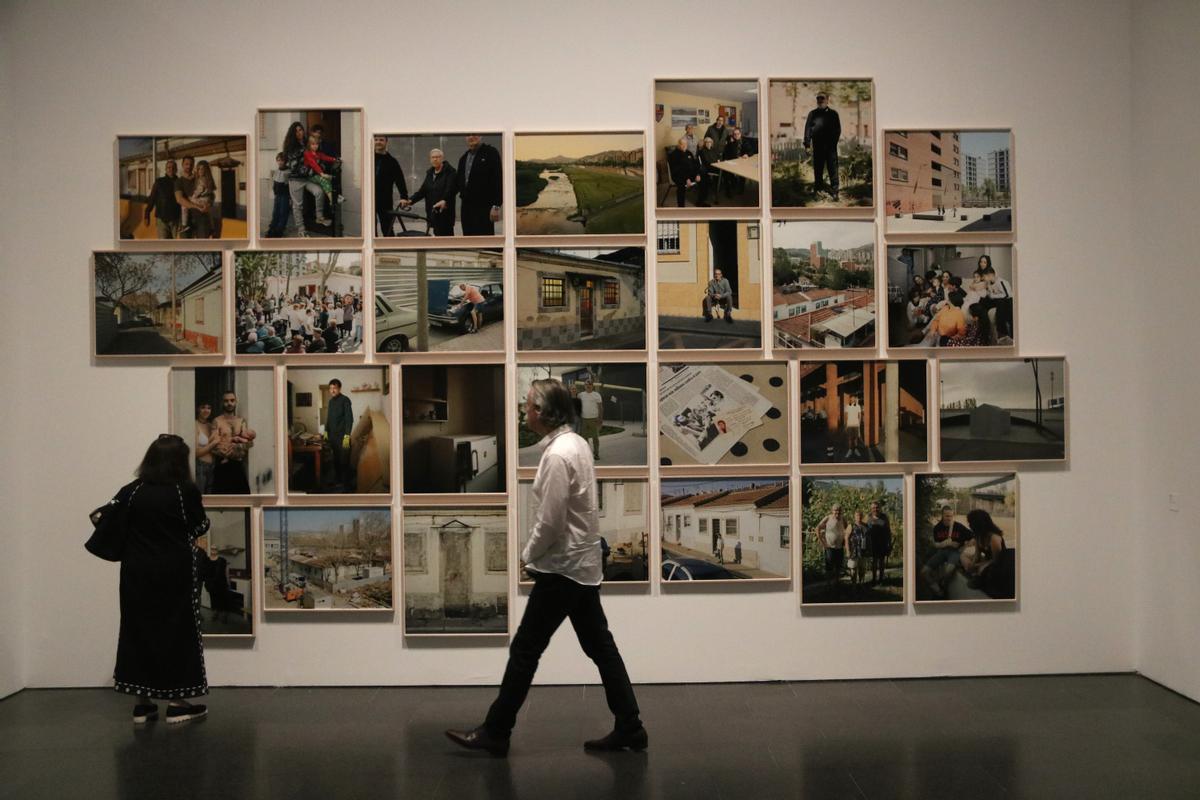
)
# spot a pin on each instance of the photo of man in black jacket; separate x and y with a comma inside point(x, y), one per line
point(822, 130)
point(438, 190)
point(480, 185)
point(389, 177)
point(339, 422)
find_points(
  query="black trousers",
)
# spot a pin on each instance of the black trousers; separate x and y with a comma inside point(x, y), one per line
point(341, 462)
point(553, 599)
point(681, 194)
point(825, 159)
point(477, 219)
point(387, 223)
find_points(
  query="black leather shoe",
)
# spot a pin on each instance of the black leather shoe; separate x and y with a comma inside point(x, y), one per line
point(479, 739)
point(634, 740)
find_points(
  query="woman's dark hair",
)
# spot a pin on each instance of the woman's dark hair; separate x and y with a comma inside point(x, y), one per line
point(957, 297)
point(983, 321)
point(981, 525)
point(553, 402)
point(203, 403)
point(986, 258)
point(166, 461)
point(290, 145)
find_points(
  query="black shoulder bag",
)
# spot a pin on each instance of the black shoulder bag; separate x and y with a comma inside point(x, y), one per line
point(108, 537)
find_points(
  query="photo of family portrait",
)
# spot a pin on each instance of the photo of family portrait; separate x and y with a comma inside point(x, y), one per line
point(709, 285)
point(951, 296)
point(853, 548)
point(453, 431)
point(439, 301)
point(226, 575)
point(967, 537)
point(706, 136)
point(438, 184)
point(310, 173)
point(822, 135)
point(292, 302)
point(823, 284)
point(227, 417)
point(158, 304)
point(181, 187)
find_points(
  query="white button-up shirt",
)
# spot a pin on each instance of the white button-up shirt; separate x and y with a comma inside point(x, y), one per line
point(565, 538)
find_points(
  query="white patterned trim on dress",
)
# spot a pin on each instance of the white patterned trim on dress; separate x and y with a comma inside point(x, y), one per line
point(167, 694)
point(198, 531)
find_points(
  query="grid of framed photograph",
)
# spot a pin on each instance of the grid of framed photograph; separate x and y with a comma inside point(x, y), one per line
point(351, 346)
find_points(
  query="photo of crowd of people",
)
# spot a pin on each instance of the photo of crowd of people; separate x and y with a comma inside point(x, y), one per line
point(181, 187)
point(967, 537)
point(853, 539)
point(438, 184)
point(292, 302)
point(310, 173)
point(821, 143)
point(951, 296)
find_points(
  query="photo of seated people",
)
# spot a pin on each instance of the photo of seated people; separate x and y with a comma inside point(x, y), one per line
point(449, 184)
point(310, 174)
point(295, 302)
point(853, 539)
point(181, 187)
point(950, 296)
point(967, 537)
point(227, 417)
point(706, 151)
point(339, 430)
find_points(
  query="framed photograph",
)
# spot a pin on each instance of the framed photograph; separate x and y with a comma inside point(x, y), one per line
point(181, 187)
point(726, 529)
point(967, 538)
point(227, 576)
point(610, 410)
point(580, 183)
point(624, 515)
point(958, 296)
point(328, 559)
point(310, 173)
point(709, 285)
point(1003, 410)
point(453, 431)
point(948, 181)
point(728, 414)
point(581, 298)
point(463, 301)
point(822, 151)
point(158, 304)
point(293, 302)
point(455, 571)
point(853, 532)
point(339, 427)
point(227, 417)
point(706, 143)
point(864, 412)
point(823, 284)
point(438, 184)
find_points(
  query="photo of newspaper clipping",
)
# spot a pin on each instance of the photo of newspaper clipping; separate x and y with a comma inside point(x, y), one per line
point(706, 411)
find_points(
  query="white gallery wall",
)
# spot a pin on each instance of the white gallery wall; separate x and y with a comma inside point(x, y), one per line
point(77, 73)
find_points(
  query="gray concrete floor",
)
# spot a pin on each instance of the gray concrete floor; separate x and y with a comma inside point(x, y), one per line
point(1090, 736)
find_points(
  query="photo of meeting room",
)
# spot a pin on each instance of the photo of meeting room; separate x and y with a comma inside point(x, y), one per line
point(706, 144)
point(292, 302)
point(863, 411)
point(709, 285)
point(823, 284)
point(951, 296)
point(339, 424)
point(948, 181)
point(1003, 410)
point(610, 410)
point(439, 301)
point(158, 304)
point(226, 575)
point(438, 184)
point(181, 187)
point(821, 143)
point(967, 537)
point(580, 183)
point(310, 173)
point(227, 417)
point(453, 431)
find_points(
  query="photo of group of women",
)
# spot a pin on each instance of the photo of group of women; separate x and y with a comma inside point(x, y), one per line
point(951, 296)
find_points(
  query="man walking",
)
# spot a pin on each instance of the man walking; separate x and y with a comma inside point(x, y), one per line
point(822, 130)
point(339, 422)
point(592, 413)
point(564, 557)
point(480, 185)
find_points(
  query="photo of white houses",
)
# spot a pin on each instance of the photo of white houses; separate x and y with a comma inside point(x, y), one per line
point(327, 558)
point(226, 576)
point(456, 571)
point(581, 299)
point(624, 514)
point(823, 284)
point(726, 529)
point(157, 304)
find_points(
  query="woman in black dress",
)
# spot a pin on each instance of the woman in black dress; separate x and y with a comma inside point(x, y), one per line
point(160, 654)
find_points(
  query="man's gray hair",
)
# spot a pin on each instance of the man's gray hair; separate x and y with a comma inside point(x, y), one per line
point(553, 402)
